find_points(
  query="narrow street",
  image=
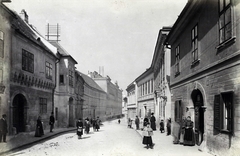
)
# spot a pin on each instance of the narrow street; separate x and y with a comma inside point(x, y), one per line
point(113, 139)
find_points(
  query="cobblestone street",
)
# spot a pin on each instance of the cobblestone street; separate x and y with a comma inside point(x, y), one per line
point(113, 139)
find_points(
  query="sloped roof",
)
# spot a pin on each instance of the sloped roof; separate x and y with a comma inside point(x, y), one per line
point(31, 33)
point(61, 50)
point(90, 81)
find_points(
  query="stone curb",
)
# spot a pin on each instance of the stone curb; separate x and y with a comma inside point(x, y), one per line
point(36, 141)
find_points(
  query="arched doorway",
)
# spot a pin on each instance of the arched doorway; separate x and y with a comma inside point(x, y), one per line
point(197, 99)
point(19, 112)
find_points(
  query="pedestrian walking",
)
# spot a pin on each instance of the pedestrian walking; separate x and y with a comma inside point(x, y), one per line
point(129, 123)
point(153, 121)
point(147, 136)
point(94, 124)
point(87, 126)
point(3, 128)
point(39, 128)
point(162, 126)
point(51, 122)
point(98, 122)
point(169, 126)
point(189, 138)
point(119, 121)
point(79, 128)
point(137, 121)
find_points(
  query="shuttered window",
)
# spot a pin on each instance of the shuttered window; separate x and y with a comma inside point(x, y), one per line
point(178, 111)
point(223, 112)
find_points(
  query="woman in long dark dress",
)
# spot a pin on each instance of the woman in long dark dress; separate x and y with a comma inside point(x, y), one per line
point(153, 122)
point(189, 134)
point(39, 128)
point(79, 128)
point(147, 136)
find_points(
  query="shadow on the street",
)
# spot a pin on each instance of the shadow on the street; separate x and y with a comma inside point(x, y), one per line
point(85, 137)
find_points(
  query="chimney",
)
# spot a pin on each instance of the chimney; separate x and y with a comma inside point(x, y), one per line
point(24, 15)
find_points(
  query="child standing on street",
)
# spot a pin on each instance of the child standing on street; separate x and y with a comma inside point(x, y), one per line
point(147, 136)
point(162, 126)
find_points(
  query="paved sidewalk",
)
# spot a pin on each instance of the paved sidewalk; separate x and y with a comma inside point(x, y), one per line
point(27, 138)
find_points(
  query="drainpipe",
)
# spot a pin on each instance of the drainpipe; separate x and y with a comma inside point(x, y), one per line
point(55, 84)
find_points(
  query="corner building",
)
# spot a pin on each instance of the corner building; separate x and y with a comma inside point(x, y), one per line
point(205, 71)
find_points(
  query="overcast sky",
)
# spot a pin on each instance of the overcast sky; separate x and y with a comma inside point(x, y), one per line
point(119, 35)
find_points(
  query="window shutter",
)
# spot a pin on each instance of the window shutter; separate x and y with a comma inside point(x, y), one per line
point(175, 110)
point(217, 112)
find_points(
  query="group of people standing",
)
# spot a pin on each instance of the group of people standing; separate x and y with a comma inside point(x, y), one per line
point(87, 124)
point(183, 133)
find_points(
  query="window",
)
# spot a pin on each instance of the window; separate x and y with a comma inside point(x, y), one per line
point(61, 79)
point(43, 105)
point(70, 78)
point(1, 45)
point(225, 22)
point(177, 57)
point(223, 112)
point(48, 70)
point(27, 61)
point(195, 44)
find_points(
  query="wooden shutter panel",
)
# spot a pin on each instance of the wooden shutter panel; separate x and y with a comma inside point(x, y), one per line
point(217, 113)
point(176, 111)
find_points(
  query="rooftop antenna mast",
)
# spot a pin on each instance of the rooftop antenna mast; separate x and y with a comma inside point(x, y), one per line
point(53, 32)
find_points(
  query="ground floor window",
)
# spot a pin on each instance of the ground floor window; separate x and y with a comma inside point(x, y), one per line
point(223, 112)
point(43, 105)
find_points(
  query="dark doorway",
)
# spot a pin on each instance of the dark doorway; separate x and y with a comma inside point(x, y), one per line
point(19, 112)
point(199, 115)
point(71, 117)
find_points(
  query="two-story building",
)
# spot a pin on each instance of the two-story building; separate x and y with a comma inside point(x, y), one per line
point(27, 68)
point(94, 99)
point(114, 95)
point(132, 100)
point(145, 98)
point(205, 63)
point(64, 93)
point(161, 71)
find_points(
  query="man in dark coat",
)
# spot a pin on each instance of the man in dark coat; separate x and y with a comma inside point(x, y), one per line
point(51, 122)
point(3, 128)
point(153, 122)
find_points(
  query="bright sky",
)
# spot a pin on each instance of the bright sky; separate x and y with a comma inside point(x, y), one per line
point(119, 35)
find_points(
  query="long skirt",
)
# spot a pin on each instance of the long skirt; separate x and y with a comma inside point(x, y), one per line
point(189, 137)
point(79, 131)
point(153, 125)
point(147, 140)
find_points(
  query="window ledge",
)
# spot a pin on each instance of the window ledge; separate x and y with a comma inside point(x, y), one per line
point(226, 43)
point(194, 63)
point(226, 131)
point(177, 73)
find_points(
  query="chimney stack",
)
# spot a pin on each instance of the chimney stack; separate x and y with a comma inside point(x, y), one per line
point(24, 15)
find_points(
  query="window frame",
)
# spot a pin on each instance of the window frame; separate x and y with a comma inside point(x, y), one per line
point(220, 101)
point(194, 44)
point(49, 70)
point(42, 105)
point(27, 61)
point(224, 25)
point(177, 61)
point(70, 78)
